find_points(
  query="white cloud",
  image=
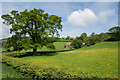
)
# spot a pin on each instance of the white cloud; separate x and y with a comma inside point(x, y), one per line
point(103, 15)
point(0, 27)
point(82, 18)
point(4, 30)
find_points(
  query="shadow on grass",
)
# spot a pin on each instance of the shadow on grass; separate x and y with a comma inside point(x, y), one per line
point(39, 53)
point(48, 53)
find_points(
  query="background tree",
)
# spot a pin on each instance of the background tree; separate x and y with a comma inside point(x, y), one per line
point(68, 38)
point(83, 37)
point(92, 34)
point(103, 36)
point(76, 43)
point(34, 23)
point(115, 33)
point(91, 39)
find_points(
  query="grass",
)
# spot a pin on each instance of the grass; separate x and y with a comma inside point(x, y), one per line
point(98, 60)
point(0, 66)
point(9, 72)
point(0, 71)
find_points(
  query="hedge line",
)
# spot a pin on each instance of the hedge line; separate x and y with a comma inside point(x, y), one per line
point(17, 54)
point(23, 54)
point(39, 71)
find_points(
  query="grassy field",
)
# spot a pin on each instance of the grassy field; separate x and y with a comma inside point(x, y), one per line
point(98, 60)
point(9, 72)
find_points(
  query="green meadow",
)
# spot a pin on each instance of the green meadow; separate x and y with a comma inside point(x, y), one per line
point(99, 60)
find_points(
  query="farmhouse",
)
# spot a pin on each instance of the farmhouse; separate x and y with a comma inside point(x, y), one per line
point(68, 45)
point(84, 44)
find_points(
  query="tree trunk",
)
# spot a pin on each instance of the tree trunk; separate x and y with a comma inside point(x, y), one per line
point(34, 51)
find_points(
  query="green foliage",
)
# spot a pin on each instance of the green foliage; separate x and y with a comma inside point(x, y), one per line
point(10, 72)
point(83, 37)
point(101, 37)
point(6, 44)
point(34, 23)
point(76, 43)
point(17, 54)
point(92, 34)
point(91, 40)
point(94, 38)
point(115, 33)
point(63, 40)
point(68, 38)
point(51, 46)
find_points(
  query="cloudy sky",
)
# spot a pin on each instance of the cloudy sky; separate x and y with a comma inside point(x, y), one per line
point(77, 17)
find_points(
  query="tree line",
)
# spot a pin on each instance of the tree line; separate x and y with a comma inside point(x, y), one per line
point(113, 34)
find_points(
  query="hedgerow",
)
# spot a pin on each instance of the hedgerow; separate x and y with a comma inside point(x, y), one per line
point(23, 54)
point(38, 71)
point(17, 54)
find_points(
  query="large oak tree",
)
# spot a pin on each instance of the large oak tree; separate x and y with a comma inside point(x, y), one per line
point(40, 28)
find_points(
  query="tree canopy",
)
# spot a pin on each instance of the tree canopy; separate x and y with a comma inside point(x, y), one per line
point(83, 37)
point(115, 33)
point(33, 28)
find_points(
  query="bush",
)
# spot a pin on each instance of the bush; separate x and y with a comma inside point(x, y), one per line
point(88, 44)
point(76, 43)
point(17, 54)
point(92, 42)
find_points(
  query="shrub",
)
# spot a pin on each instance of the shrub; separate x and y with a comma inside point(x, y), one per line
point(76, 43)
point(92, 42)
point(17, 54)
point(88, 44)
point(23, 54)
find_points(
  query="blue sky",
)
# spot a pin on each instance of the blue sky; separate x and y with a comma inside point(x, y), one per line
point(77, 17)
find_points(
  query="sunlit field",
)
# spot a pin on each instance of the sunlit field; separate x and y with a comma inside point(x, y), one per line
point(98, 60)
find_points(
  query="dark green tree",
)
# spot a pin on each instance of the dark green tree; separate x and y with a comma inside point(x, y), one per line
point(91, 39)
point(83, 37)
point(68, 38)
point(76, 43)
point(39, 26)
point(115, 33)
point(103, 37)
point(92, 34)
